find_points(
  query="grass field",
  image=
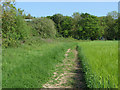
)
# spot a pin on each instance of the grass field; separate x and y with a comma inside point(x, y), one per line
point(100, 63)
point(30, 66)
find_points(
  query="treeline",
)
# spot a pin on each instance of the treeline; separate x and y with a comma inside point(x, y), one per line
point(87, 27)
point(81, 26)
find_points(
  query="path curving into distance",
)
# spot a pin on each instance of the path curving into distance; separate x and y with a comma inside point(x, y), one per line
point(68, 74)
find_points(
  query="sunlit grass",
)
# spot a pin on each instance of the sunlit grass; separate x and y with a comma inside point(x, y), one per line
point(30, 66)
point(100, 63)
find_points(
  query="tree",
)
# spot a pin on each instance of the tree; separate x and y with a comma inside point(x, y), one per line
point(89, 28)
point(57, 18)
point(76, 24)
point(14, 27)
point(76, 18)
point(111, 29)
point(66, 26)
point(28, 16)
point(103, 27)
point(114, 14)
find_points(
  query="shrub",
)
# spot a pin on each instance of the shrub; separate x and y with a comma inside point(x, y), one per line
point(14, 27)
point(45, 27)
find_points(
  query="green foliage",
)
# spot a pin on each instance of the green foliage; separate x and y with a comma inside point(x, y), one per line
point(103, 26)
point(111, 30)
point(114, 14)
point(76, 19)
point(100, 63)
point(86, 27)
point(28, 16)
point(45, 27)
point(66, 26)
point(57, 18)
point(13, 26)
point(118, 28)
point(80, 26)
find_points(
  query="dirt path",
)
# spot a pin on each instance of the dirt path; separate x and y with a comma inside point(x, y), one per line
point(68, 74)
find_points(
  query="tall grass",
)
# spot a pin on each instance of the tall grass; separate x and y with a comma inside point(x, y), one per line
point(30, 66)
point(100, 63)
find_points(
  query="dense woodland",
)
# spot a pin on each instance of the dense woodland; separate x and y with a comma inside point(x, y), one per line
point(81, 26)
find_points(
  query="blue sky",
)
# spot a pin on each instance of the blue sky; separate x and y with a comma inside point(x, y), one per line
point(39, 9)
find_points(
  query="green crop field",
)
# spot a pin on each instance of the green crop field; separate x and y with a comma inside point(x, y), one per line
point(100, 63)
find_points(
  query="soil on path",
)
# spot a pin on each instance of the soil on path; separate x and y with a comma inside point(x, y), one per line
point(68, 74)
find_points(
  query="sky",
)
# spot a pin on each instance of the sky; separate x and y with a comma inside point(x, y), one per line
point(67, 0)
point(43, 9)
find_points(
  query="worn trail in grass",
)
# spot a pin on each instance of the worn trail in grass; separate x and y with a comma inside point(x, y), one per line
point(68, 74)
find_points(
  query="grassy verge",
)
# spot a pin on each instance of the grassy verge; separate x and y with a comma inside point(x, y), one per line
point(30, 66)
point(100, 63)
